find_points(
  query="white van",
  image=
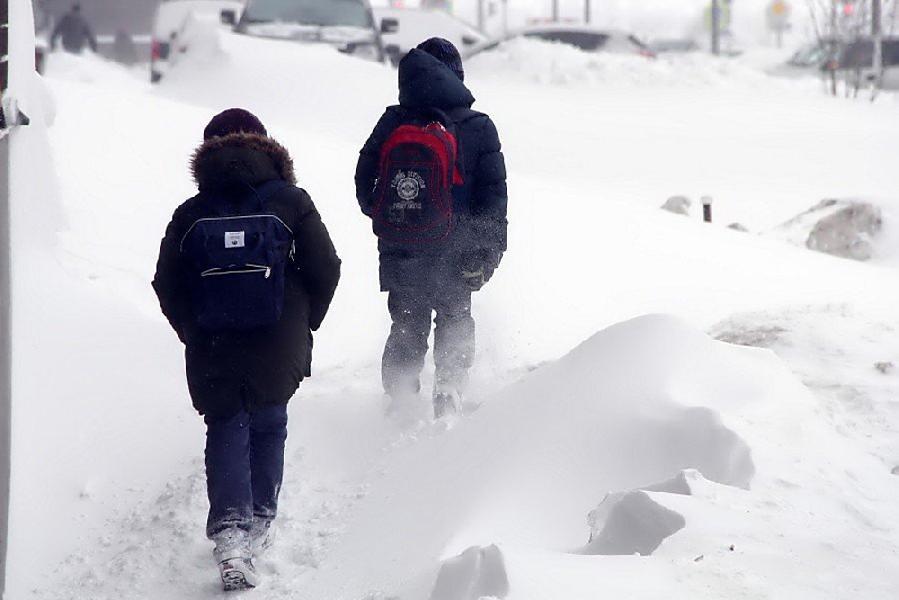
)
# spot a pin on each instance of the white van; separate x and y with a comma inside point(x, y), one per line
point(408, 27)
point(347, 25)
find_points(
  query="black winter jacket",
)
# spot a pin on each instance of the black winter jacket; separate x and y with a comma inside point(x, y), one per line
point(75, 33)
point(480, 203)
point(228, 370)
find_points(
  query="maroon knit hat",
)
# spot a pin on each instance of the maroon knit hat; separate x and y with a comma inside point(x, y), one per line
point(234, 120)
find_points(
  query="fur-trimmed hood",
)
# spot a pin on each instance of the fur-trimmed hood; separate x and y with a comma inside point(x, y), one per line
point(238, 160)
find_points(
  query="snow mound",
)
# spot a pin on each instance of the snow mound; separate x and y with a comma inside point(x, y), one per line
point(679, 205)
point(543, 62)
point(624, 410)
point(844, 228)
point(94, 70)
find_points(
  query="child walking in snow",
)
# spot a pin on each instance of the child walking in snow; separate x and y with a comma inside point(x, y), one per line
point(246, 273)
point(432, 178)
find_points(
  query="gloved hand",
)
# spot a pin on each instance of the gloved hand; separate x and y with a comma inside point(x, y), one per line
point(477, 267)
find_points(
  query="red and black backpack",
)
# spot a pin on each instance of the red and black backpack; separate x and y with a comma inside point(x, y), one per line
point(414, 191)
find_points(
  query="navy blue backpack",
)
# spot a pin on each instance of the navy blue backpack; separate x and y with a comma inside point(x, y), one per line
point(237, 263)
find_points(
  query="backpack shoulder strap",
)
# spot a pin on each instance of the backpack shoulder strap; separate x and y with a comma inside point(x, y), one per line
point(262, 192)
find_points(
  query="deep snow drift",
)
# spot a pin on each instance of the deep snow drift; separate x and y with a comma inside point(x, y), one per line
point(108, 483)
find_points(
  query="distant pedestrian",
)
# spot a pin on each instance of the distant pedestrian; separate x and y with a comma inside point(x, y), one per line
point(74, 32)
point(123, 49)
point(433, 180)
point(246, 273)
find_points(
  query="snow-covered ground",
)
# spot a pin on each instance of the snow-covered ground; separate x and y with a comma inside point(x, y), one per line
point(780, 457)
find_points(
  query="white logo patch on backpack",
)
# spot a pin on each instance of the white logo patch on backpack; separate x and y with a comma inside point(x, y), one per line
point(235, 239)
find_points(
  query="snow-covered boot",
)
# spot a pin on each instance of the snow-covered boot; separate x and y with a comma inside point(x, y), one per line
point(447, 403)
point(261, 535)
point(232, 553)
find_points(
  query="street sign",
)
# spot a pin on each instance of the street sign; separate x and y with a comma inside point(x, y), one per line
point(724, 15)
point(779, 13)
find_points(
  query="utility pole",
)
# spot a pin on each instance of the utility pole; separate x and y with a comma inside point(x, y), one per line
point(482, 16)
point(505, 17)
point(877, 39)
point(716, 27)
point(588, 12)
point(555, 11)
point(5, 302)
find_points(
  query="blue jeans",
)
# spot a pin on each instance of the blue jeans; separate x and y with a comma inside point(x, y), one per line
point(244, 467)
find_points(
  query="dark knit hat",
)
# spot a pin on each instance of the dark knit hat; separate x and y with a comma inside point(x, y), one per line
point(234, 120)
point(444, 51)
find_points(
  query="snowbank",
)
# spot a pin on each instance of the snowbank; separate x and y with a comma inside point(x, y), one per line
point(844, 228)
point(543, 62)
point(632, 406)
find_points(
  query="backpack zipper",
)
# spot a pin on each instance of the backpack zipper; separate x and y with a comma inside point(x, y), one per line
point(240, 271)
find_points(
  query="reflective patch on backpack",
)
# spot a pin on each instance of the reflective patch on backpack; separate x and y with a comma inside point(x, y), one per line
point(235, 239)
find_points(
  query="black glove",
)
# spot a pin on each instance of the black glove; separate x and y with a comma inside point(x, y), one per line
point(477, 267)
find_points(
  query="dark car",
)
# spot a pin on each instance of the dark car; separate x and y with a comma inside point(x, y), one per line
point(856, 60)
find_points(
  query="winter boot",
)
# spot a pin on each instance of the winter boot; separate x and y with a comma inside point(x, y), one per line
point(447, 403)
point(232, 553)
point(261, 535)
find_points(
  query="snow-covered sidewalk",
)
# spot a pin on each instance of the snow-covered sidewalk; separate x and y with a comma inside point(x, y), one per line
point(786, 455)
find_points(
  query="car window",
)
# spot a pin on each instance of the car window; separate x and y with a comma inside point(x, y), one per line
point(335, 13)
point(858, 54)
point(891, 53)
point(584, 40)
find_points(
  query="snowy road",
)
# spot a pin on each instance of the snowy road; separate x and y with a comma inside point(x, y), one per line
point(108, 484)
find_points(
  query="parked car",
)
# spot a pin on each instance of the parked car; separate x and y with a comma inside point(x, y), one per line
point(815, 55)
point(855, 60)
point(175, 23)
point(347, 25)
point(674, 46)
point(584, 37)
point(408, 27)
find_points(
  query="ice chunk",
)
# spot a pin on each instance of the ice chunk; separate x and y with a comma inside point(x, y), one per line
point(632, 523)
point(477, 573)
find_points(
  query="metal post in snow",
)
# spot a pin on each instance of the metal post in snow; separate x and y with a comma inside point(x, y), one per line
point(588, 12)
point(707, 209)
point(555, 11)
point(482, 19)
point(716, 27)
point(5, 303)
point(877, 39)
point(505, 17)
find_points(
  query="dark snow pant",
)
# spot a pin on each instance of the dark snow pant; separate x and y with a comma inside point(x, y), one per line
point(454, 338)
point(244, 467)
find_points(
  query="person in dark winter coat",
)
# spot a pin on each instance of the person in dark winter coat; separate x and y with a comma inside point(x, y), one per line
point(439, 277)
point(74, 31)
point(241, 380)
